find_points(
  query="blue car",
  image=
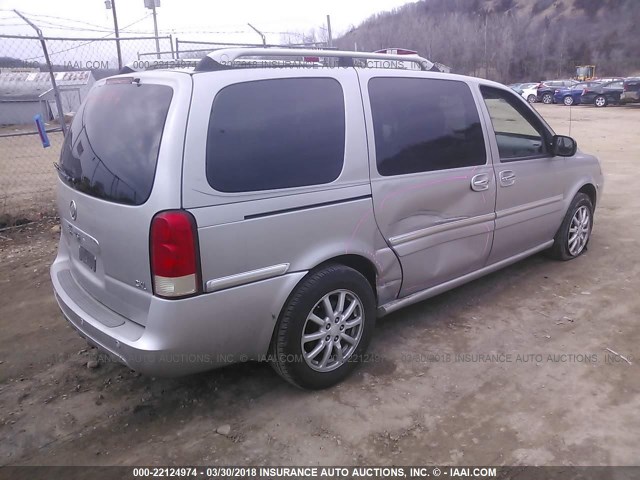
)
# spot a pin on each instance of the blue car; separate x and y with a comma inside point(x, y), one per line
point(571, 95)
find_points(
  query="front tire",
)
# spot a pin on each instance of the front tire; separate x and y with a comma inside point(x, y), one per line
point(547, 99)
point(574, 234)
point(325, 328)
point(600, 101)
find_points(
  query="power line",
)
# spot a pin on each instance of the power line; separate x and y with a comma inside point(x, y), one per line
point(98, 28)
point(37, 15)
point(89, 42)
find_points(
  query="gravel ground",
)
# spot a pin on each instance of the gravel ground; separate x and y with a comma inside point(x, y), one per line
point(510, 369)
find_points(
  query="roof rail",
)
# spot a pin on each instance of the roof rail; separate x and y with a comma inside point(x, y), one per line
point(224, 58)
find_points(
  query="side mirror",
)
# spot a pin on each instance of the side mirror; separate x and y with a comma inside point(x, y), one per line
point(564, 146)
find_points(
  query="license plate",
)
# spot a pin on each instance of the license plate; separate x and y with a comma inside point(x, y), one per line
point(88, 258)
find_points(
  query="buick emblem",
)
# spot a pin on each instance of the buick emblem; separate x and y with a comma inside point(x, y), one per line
point(73, 210)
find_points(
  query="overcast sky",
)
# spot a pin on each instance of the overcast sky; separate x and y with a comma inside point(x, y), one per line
point(191, 18)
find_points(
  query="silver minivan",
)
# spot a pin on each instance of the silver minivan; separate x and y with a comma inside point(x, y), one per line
point(271, 211)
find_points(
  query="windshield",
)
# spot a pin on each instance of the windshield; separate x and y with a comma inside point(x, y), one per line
point(112, 147)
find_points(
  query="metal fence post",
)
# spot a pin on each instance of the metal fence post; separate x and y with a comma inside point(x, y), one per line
point(56, 92)
point(115, 25)
point(177, 48)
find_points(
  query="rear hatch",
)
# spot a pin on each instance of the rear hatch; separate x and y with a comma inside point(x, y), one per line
point(120, 164)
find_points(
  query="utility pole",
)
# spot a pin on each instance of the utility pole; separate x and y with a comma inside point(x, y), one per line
point(329, 31)
point(152, 4)
point(264, 39)
point(155, 29)
point(486, 59)
point(111, 5)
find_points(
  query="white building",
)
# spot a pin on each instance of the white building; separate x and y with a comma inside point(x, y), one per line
point(25, 94)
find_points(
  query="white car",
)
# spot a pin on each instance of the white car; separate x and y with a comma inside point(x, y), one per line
point(529, 91)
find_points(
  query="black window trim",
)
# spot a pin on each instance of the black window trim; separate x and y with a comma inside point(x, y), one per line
point(529, 115)
point(286, 190)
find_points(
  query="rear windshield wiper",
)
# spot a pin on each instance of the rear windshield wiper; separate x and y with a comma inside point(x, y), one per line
point(64, 174)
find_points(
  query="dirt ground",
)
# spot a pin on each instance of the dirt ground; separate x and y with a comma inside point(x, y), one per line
point(27, 174)
point(550, 395)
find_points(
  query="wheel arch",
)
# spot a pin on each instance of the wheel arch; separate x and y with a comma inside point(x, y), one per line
point(590, 190)
point(586, 186)
point(359, 263)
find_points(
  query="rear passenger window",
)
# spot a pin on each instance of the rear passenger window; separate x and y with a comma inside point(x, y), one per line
point(421, 125)
point(271, 134)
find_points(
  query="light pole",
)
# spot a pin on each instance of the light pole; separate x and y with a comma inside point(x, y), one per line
point(111, 5)
point(152, 4)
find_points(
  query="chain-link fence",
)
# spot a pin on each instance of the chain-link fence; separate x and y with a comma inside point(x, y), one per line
point(49, 77)
point(29, 82)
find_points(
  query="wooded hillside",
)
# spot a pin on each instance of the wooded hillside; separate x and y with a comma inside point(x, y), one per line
point(511, 40)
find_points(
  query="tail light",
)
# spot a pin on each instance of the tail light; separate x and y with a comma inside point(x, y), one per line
point(625, 87)
point(175, 269)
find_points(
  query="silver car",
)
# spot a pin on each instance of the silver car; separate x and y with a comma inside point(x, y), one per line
point(271, 212)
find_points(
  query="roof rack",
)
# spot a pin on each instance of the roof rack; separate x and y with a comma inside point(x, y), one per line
point(225, 58)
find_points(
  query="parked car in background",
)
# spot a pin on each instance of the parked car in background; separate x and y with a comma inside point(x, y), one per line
point(602, 94)
point(609, 79)
point(630, 90)
point(529, 91)
point(571, 95)
point(547, 88)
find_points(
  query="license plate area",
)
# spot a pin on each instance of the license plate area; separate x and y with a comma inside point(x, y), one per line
point(88, 258)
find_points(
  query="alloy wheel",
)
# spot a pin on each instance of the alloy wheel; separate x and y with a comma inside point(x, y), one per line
point(579, 231)
point(332, 330)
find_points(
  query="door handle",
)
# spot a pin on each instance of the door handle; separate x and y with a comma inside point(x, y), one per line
point(507, 178)
point(480, 182)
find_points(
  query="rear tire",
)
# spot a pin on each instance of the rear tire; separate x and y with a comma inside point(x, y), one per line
point(532, 98)
point(547, 99)
point(572, 238)
point(325, 328)
point(568, 100)
point(600, 101)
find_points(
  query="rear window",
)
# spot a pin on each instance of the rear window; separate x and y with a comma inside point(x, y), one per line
point(272, 134)
point(111, 150)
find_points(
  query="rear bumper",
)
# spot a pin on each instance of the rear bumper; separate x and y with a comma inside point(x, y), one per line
point(630, 97)
point(181, 336)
